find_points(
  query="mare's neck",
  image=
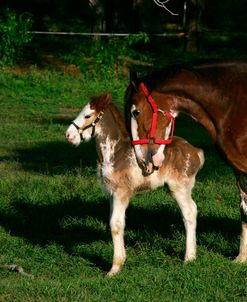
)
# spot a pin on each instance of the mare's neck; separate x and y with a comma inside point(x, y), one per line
point(195, 97)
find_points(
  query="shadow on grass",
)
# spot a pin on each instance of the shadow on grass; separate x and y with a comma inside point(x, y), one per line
point(55, 157)
point(46, 224)
point(60, 157)
point(43, 224)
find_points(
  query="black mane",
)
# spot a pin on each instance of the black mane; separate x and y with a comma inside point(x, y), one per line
point(155, 78)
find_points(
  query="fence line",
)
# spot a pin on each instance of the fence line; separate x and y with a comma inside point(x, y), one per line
point(180, 34)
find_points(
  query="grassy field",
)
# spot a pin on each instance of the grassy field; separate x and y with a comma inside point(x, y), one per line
point(54, 214)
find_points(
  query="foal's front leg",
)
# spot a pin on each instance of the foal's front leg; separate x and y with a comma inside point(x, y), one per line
point(119, 204)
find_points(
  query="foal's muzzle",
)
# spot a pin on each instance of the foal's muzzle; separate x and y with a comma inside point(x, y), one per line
point(92, 125)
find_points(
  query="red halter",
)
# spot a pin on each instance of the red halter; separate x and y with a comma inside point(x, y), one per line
point(152, 138)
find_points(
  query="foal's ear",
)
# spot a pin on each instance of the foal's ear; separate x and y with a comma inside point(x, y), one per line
point(106, 98)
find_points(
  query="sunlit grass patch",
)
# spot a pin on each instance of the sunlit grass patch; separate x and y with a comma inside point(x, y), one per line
point(54, 213)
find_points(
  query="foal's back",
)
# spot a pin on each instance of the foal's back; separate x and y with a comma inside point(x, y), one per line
point(182, 160)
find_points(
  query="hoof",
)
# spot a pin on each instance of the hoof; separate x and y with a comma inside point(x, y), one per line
point(240, 259)
point(188, 260)
point(113, 271)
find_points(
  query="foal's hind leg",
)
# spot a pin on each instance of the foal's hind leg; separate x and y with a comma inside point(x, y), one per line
point(182, 194)
point(117, 223)
point(242, 185)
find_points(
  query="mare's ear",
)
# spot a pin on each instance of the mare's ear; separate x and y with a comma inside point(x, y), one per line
point(105, 100)
point(133, 76)
point(133, 79)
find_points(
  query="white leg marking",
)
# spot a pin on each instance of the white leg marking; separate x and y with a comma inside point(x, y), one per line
point(117, 224)
point(189, 213)
point(242, 257)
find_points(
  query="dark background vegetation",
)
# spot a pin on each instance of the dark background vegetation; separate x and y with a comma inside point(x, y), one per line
point(128, 16)
point(206, 28)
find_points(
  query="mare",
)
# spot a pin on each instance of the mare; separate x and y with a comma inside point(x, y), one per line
point(122, 177)
point(214, 93)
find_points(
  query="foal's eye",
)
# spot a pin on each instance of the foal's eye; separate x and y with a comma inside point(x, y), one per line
point(87, 116)
point(135, 113)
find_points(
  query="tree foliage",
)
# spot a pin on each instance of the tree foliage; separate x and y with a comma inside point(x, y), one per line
point(14, 35)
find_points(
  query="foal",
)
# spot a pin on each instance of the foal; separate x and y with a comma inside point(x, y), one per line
point(122, 177)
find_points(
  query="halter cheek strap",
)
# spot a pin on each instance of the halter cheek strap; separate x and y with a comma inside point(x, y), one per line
point(93, 124)
point(152, 139)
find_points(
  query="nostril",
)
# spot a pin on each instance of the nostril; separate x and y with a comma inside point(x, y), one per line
point(69, 136)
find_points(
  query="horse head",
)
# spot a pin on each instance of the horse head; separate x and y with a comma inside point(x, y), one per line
point(150, 126)
point(83, 126)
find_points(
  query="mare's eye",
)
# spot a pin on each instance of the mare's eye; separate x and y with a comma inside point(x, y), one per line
point(135, 113)
point(87, 116)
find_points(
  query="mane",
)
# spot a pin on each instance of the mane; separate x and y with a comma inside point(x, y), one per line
point(152, 80)
point(119, 120)
point(156, 77)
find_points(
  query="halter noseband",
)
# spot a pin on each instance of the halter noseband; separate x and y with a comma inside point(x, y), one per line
point(93, 124)
point(152, 139)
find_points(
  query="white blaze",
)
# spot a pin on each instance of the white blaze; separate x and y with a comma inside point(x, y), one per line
point(72, 134)
point(135, 136)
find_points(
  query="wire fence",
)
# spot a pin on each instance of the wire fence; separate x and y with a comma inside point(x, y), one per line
point(180, 34)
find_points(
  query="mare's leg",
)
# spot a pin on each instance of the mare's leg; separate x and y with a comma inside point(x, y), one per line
point(182, 194)
point(119, 204)
point(242, 185)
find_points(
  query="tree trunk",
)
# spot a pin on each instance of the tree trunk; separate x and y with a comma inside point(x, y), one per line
point(109, 16)
point(193, 16)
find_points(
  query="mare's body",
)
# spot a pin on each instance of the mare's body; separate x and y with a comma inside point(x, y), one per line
point(214, 94)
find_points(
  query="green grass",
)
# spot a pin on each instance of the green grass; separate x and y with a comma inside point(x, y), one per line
point(54, 214)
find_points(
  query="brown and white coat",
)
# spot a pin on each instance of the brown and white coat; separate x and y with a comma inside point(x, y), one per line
point(122, 176)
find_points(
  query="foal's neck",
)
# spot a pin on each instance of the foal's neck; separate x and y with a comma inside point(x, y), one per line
point(112, 139)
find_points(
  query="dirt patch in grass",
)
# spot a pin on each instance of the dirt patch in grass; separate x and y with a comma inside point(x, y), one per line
point(46, 61)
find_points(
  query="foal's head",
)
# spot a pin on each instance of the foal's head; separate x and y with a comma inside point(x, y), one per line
point(83, 126)
point(151, 127)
